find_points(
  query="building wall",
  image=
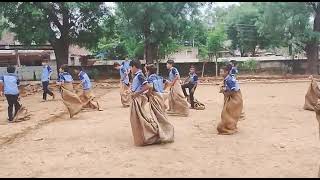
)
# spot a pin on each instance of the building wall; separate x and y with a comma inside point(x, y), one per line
point(186, 54)
point(27, 72)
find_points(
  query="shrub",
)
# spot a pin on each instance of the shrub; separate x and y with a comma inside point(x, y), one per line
point(249, 65)
point(93, 74)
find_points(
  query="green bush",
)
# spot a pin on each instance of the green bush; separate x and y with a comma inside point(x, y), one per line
point(249, 65)
point(93, 74)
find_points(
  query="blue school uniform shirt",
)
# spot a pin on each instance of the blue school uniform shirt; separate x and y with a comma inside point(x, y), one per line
point(46, 70)
point(157, 82)
point(126, 64)
point(173, 73)
point(231, 83)
point(124, 77)
point(65, 77)
point(233, 71)
point(193, 78)
point(138, 81)
point(10, 82)
point(85, 80)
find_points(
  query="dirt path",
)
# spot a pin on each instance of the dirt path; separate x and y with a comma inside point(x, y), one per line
point(277, 139)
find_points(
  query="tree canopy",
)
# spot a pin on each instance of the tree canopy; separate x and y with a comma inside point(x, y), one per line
point(59, 23)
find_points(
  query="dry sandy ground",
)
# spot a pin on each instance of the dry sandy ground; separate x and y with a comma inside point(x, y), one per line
point(277, 139)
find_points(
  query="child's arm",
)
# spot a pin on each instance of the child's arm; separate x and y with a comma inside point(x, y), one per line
point(1, 86)
point(50, 72)
point(145, 85)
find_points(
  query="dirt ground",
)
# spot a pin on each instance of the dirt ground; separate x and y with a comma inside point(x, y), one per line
point(277, 139)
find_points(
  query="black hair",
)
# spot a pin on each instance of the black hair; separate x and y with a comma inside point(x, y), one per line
point(170, 62)
point(79, 68)
point(234, 62)
point(11, 69)
point(192, 66)
point(135, 63)
point(151, 68)
point(228, 67)
point(65, 68)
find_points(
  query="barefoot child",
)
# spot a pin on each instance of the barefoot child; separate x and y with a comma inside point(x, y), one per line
point(45, 79)
point(10, 85)
point(156, 99)
point(87, 97)
point(178, 104)
point(70, 99)
point(191, 83)
point(124, 84)
point(233, 104)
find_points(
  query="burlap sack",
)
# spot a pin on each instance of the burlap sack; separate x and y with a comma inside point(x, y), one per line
point(145, 129)
point(312, 95)
point(231, 112)
point(88, 100)
point(178, 104)
point(166, 129)
point(22, 114)
point(317, 111)
point(70, 99)
point(165, 96)
point(125, 95)
point(197, 104)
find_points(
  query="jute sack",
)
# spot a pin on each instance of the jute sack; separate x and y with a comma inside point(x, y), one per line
point(70, 99)
point(231, 112)
point(145, 129)
point(312, 95)
point(166, 129)
point(125, 95)
point(178, 104)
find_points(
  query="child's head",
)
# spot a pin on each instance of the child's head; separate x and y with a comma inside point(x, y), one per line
point(11, 69)
point(227, 70)
point(192, 69)
point(45, 62)
point(151, 69)
point(64, 68)
point(170, 63)
point(135, 66)
point(78, 69)
point(116, 65)
point(234, 62)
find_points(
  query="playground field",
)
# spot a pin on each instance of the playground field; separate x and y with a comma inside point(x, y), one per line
point(277, 139)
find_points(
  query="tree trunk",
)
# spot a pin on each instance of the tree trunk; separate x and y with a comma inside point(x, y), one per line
point(203, 65)
point(150, 51)
point(312, 56)
point(216, 66)
point(312, 47)
point(61, 51)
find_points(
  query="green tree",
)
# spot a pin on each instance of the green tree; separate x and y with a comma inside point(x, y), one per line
point(215, 43)
point(155, 22)
point(59, 23)
point(242, 30)
point(289, 25)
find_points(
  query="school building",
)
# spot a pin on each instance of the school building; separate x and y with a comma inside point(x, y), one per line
point(28, 58)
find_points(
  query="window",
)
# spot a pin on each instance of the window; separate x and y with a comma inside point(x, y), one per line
point(72, 61)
